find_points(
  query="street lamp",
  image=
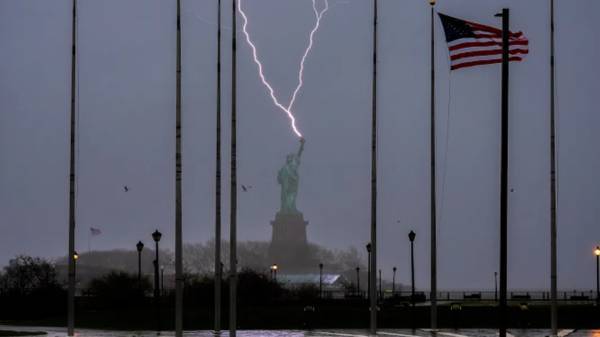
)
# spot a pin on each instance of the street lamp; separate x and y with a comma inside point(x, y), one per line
point(162, 280)
point(411, 237)
point(320, 280)
point(139, 246)
point(597, 253)
point(394, 281)
point(495, 286)
point(156, 237)
point(274, 268)
point(380, 293)
point(358, 280)
point(432, 2)
point(75, 258)
point(368, 270)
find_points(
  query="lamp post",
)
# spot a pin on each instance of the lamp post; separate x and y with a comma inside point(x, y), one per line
point(75, 258)
point(368, 270)
point(380, 292)
point(162, 280)
point(597, 253)
point(139, 246)
point(274, 268)
point(156, 237)
point(411, 237)
point(393, 281)
point(320, 280)
point(358, 280)
point(495, 286)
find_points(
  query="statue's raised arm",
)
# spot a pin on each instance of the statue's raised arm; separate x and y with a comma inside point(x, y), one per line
point(300, 150)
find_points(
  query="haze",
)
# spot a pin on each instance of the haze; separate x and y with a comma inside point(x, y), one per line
point(127, 113)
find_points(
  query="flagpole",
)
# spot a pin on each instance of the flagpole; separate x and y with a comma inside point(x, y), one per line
point(373, 274)
point(218, 276)
point(71, 262)
point(178, 206)
point(504, 173)
point(433, 217)
point(553, 201)
point(233, 182)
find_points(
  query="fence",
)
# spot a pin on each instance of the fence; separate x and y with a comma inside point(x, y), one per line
point(468, 296)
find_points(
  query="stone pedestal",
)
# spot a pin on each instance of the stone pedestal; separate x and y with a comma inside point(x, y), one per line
point(289, 245)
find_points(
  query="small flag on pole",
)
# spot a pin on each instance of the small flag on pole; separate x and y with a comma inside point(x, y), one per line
point(95, 231)
point(473, 44)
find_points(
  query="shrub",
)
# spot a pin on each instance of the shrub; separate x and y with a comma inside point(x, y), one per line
point(28, 285)
point(118, 288)
point(26, 275)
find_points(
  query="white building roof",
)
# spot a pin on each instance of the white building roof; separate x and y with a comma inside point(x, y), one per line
point(299, 279)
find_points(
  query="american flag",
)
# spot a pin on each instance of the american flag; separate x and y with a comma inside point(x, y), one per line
point(95, 231)
point(473, 44)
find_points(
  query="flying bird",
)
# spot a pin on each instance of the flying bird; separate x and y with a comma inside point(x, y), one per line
point(126, 188)
point(246, 188)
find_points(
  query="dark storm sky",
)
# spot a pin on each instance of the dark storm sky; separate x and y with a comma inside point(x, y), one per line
point(126, 131)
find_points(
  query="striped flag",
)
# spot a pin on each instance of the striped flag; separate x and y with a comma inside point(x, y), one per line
point(473, 44)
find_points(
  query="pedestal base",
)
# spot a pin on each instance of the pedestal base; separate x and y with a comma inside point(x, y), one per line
point(289, 245)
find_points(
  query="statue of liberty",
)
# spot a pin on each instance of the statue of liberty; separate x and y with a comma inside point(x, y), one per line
point(288, 178)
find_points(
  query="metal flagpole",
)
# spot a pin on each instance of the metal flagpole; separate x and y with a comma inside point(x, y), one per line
point(373, 271)
point(71, 292)
point(233, 183)
point(178, 210)
point(433, 218)
point(218, 276)
point(504, 172)
point(553, 201)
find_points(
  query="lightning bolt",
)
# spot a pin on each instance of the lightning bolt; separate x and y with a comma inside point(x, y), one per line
point(288, 110)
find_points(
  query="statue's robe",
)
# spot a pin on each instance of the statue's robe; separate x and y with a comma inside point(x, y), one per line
point(288, 178)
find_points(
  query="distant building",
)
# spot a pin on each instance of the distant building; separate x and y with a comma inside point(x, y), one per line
point(331, 282)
